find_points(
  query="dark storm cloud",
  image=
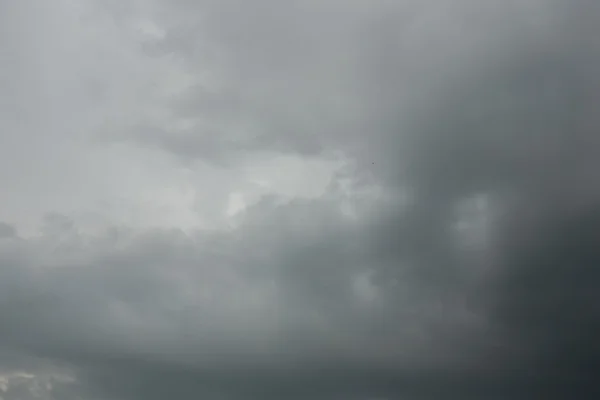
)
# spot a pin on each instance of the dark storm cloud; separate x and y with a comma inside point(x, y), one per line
point(505, 108)
point(525, 131)
point(198, 312)
point(442, 102)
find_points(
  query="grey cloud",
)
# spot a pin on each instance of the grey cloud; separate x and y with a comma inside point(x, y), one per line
point(491, 99)
point(334, 75)
point(7, 230)
point(283, 84)
point(259, 310)
point(441, 101)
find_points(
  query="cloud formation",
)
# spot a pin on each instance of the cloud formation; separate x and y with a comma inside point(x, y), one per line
point(299, 199)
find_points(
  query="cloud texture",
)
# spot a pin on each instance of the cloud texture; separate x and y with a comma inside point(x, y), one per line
point(299, 199)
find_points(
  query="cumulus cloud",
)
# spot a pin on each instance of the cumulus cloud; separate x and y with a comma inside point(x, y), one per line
point(299, 199)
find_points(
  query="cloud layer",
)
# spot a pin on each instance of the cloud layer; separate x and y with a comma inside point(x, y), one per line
point(299, 199)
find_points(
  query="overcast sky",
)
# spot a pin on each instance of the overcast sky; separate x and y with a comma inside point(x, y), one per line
point(299, 199)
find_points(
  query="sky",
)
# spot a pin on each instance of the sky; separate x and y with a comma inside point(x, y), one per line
point(299, 199)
